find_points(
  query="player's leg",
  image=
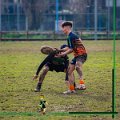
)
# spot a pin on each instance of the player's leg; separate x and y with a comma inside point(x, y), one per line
point(41, 78)
point(79, 69)
point(81, 85)
point(67, 80)
point(44, 110)
point(79, 64)
point(71, 76)
point(71, 79)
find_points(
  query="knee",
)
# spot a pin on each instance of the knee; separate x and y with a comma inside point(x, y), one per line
point(45, 70)
point(78, 67)
point(67, 82)
point(71, 69)
point(69, 72)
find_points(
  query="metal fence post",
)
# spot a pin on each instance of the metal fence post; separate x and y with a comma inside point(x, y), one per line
point(95, 18)
point(26, 27)
point(57, 15)
point(0, 20)
point(18, 15)
point(108, 25)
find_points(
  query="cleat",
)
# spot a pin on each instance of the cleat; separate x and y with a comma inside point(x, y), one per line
point(38, 87)
point(81, 87)
point(69, 92)
point(36, 90)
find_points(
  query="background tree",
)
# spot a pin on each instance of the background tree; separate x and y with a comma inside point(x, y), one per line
point(34, 10)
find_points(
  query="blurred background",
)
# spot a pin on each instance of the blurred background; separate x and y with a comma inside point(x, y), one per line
point(41, 19)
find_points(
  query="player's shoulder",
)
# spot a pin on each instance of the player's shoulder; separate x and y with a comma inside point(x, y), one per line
point(73, 35)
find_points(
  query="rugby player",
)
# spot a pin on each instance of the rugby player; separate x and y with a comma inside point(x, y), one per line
point(80, 56)
point(52, 63)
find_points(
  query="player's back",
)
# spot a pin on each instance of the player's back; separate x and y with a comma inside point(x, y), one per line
point(76, 44)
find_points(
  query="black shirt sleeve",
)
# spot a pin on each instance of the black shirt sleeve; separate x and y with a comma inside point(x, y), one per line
point(47, 59)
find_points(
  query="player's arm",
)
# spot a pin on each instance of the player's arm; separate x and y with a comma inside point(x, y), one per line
point(46, 103)
point(64, 49)
point(47, 59)
point(39, 68)
point(68, 51)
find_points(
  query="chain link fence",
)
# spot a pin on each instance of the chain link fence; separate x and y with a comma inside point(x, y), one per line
point(41, 19)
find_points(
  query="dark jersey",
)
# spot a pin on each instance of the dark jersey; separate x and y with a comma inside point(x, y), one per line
point(75, 43)
point(59, 61)
point(43, 103)
point(50, 59)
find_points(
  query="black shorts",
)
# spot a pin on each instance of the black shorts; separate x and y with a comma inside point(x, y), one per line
point(81, 58)
point(57, 68)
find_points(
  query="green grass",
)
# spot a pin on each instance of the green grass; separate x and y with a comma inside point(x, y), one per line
point(33, 35)
point(18, 64)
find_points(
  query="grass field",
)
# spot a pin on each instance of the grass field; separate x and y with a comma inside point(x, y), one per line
point(18, 64)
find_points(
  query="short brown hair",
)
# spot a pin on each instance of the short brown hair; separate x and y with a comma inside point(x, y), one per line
point(67, 23)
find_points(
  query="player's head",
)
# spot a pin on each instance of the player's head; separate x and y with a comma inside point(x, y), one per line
point(63, 46)
point(66, 27)
point(41, 97)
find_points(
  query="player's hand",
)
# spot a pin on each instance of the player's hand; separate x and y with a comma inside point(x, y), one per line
point(35, 77)
point(56, 48)
point(60, 55)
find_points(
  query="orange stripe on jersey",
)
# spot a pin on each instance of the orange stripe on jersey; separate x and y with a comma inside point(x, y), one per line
point(79, 48)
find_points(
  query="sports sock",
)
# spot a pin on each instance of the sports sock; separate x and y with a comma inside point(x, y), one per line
point(82, 82)
point(71, 87)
